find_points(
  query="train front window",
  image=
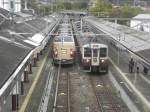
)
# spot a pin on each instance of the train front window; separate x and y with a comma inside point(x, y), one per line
point(87, 52)
point(103, 52)
point(57, 39)
point(95, 52)
point(67, 39)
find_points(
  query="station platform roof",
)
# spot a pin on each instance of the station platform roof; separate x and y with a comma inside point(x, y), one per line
point(11, 54)
point(74, 12)
point(26, 31)
point(136, 41)
point(14, 46)
point(4, 12)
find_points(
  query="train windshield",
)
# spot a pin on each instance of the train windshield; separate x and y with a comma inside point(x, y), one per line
point(87, 52)
point(95, 52)
point(103, 52)
point(67, 39)
point(63, 39)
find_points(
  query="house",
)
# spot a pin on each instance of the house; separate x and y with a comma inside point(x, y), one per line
point(11, 5)
point(141, 22)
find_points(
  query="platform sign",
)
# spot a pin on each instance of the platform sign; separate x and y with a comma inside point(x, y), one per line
point(64, 51)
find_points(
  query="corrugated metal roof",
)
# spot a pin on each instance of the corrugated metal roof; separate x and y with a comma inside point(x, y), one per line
point(136, 41)
point(14, 45)
point(132, 39)
point(11, 54)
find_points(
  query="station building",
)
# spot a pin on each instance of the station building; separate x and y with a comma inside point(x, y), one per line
point(139, 24)
point(11, 5)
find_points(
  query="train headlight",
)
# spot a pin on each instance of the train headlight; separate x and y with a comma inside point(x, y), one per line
point(87, 60)
point(102, 61)
point(71, 53)
point(56, 52)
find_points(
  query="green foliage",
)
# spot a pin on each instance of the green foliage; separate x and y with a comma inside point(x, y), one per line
point(104, 8)
point(45, 9)
point(125, 12)
point(76, 4)
point(68, 6)
point(128, 12)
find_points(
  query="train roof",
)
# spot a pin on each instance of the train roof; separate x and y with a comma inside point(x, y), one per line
point(95, 45)
point(88, 34)
point(64, 38)
point(86, 38)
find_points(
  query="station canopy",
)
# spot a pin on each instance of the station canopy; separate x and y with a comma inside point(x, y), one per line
point(134, 40)
point(17, 41)
point(35, 40)
point(12, 53)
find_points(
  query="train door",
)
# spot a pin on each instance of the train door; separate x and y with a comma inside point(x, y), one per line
point(95, 57)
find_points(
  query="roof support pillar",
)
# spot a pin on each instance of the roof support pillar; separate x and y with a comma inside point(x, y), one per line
point(30, 68)
point(15, 97)
point(37, 56)
point(41, 52)
point(1, 107)
point(22, 84)
point(26, 75)
point(34, 62)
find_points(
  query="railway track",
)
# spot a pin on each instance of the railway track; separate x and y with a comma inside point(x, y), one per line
point(62, 94)
point(106, 97)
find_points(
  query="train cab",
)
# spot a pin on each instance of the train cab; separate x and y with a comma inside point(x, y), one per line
point(95, 57)
point(64, 49)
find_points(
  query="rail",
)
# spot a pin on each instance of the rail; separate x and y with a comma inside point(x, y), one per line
point(68, 92)
point(106, 99)
point(46, 94)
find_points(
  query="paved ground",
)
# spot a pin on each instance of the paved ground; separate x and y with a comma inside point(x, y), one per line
point(36, 97)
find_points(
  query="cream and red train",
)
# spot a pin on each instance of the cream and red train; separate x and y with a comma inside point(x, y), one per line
point(64, 44)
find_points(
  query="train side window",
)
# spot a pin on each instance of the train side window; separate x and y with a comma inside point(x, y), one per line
point(103, 52)
point(87, 52)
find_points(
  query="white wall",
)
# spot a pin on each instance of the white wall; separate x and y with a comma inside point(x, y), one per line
point(18, 6)
point(6, 4)
point(138, 25)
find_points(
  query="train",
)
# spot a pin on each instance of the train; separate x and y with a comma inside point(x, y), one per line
point(94, 57)
point(64, 44)
point(93, 54)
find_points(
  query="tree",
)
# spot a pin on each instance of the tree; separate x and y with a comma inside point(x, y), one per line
point(128, 11)
point(102, 6)
point(68, 5)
